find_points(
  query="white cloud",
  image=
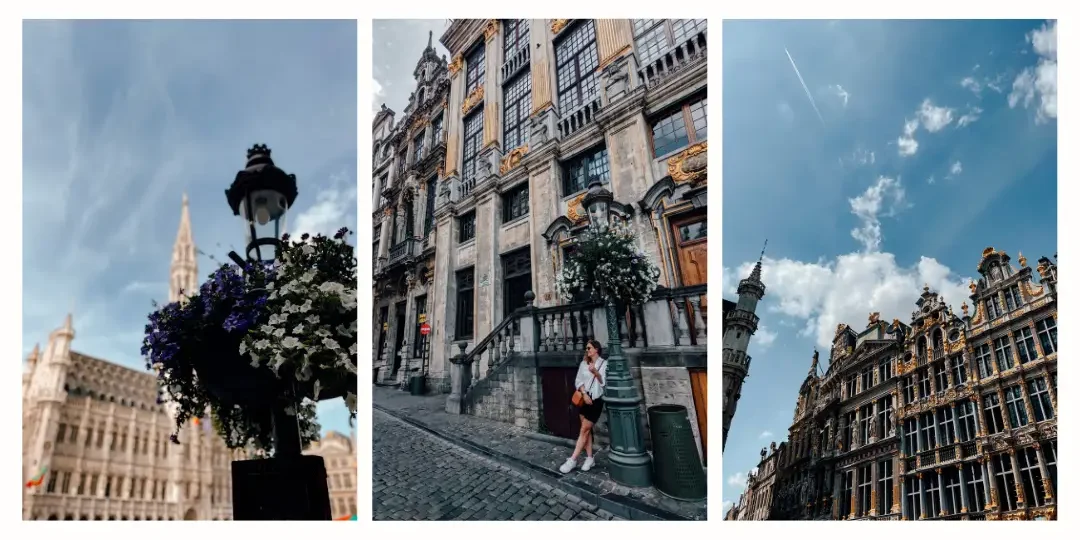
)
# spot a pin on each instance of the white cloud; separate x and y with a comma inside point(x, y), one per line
point(729, 282)
point(955, 169)
point(885, 197)
point(840, 93)
point(785, 112)
point(861, 156)
point(738, 480)
point(333, 208)
point(934, 118)
point(907, 143)
point(377, 94)
point(763, 338)
point(970, 83)
point(821, 293)
point(765, 434)
point(930, 180)
point(1041, 80)
point(969, 117)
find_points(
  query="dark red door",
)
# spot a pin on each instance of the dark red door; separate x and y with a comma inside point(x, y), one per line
point(560, 415)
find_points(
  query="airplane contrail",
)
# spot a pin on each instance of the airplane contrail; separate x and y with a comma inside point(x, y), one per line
point(808, 95)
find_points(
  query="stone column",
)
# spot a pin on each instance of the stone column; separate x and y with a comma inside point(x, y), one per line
point(444, 294)
point(488, 312)
point(385, 236)
point(1050, 388)
point(980, 427)
point(991, 493)
point(1048, 486)
point(453, 122)
point(460, 379)
point(837, 481)
point(941, 491)
point(898, 478)
point(1027, 401)
point(963, 489)
point(922, 496)
point(493, 58)
point(1020, 499)
point(873, 487)
point(542, 67)
point(880, 434)
point(956, 424)
point(410, 321)
point(1004, 408)
point(903, 497)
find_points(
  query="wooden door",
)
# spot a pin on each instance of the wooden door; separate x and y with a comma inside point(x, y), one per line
point(692, 249)
point(560, 415)
point(699, 386)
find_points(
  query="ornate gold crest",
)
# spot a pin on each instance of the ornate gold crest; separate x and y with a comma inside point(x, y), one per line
point(512, 159)
point(575, 211)
point(690, 164)
point(557, 25)
point(472, 99)
point(491, 29)
point(456, 64)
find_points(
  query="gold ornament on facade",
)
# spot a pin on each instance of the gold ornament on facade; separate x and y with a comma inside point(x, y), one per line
point(388, 211)
point(419, 123)
point(475, 97)
point(690, 165)
point(839, 329)
point(557, 25)
point(491, 29)
point(456, 64)
point(512, 159)
point(1022, 259)
point(1044, 271)
point(873, 319)
point(964, 308)
point(575, 212)
point(972, 286)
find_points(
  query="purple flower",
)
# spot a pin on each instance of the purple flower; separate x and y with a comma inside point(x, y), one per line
point(174, 439)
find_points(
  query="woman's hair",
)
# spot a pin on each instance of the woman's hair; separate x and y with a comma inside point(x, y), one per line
point(596, 345)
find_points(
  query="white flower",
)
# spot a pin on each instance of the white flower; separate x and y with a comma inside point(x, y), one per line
point(262, 344)
point(330, 344)
point(341, 330)
point(279, 333)
point(312, 319)
point(352, 349)
point(270, 286)
point(290, 343)
point(307, 249)
point(331, 287)
point(243, 347)
point(306, 307)
point(317, 389)
point(322, 332)
point(299, 329)
point(308, 276)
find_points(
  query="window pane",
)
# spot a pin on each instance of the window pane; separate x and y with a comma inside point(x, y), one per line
point(516, 111)
point(699, 117)
point(474, 129)
point(576, 62)
point(651, 43)
point(669, 133)
point(474, 66)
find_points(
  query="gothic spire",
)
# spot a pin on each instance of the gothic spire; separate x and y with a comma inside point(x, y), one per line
point(183, 274)
point(813, 364)
point(756, 274)
point(429, 33)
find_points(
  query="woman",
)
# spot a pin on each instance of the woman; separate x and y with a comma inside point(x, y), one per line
point(591, 380)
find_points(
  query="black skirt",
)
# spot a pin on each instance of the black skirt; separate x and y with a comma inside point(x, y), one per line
point(592, 412)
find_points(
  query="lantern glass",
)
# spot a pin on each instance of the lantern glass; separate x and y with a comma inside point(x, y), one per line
point(264, 213)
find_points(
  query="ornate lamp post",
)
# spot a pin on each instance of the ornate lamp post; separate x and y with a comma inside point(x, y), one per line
point(289, 486)
point(630, 464)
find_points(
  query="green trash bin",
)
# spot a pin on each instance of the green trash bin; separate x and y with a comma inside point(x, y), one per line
point(416, 385)
point(677, 470)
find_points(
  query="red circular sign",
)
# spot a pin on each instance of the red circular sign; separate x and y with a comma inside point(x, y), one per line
point(425, 329)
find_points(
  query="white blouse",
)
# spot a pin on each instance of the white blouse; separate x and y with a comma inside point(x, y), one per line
point(585, 378)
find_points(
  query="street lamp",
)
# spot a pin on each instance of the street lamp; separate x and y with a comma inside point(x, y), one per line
point(630, 464)
point(262, 194)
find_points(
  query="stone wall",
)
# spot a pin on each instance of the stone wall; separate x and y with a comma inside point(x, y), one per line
point(509, 394)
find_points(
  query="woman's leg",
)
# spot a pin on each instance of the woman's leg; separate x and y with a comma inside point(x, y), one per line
point(582, 434)
point(587, 427)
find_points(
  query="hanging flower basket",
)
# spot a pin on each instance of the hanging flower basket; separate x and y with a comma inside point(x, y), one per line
point(220, 350)
point(608, 264)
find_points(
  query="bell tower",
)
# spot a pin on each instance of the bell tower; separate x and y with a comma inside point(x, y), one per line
point(740, 324)
point(184, 271)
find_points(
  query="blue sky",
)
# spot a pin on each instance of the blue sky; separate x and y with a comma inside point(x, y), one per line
point(120, 118)
point(876, 157)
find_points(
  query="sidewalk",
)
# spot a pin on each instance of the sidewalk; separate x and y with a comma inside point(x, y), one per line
point(535, 454)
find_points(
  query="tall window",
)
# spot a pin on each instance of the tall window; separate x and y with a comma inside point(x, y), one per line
point(952, 490)
point(1049, 449)
point(866, 417)
point(867, 377)
point(516, 202)
point(65, 483)
point(467, 227)
point(845, 500)
point(852, 385)
point(911, 436)
point(914, 497)
point(993, 306)
point(1014, 401)
point(928, 436)
point(965, 411)
point(515, 36)
point(885, 370)
point(975, 488)
point(1006, 488)
point(1025, 345)
point(516, 111)
point(474, 131)
point(465, 286)
point(1041, 405)
point(865, 484)
point(429, 212)
point(933, 495)
point(418, 147)
point(401, 161)
point(849, 433)
point(958, 368)
point(941, 376)
point(654, 37)
point(885, 416)
point(946, 429)
point(51, 486)
point(995, 423)
point(437, 130)
point(884, 487)
point(1003, 353)
point(680, 127)
point(418, 339)
point(61, 431)
point(575, 66)
point(982, 361)
point(924, 382)
point(1012, 298)
point(580, 170)
point(1047, 330)
point(474, 69)
point(1031, 476)
point(909, 389)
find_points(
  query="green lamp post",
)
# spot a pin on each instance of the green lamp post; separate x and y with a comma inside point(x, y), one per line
point(630, 464)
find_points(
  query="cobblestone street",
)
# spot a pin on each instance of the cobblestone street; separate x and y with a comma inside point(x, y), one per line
point(417, 476)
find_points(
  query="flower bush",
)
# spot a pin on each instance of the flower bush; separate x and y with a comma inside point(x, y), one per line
point(228, 333)
point(608, 264)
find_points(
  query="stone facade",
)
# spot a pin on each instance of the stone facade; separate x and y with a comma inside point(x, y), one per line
point(339, 455)
point(948, 417)
point(98, 433)
point(519, 151)
point(755, 503)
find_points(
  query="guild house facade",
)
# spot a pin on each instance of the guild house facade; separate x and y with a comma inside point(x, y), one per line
point(96, 439)
point(478, 190)
point(948, 417)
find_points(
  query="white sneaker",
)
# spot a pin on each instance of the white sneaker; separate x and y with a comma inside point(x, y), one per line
point(589, 462)
point(568, 466)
